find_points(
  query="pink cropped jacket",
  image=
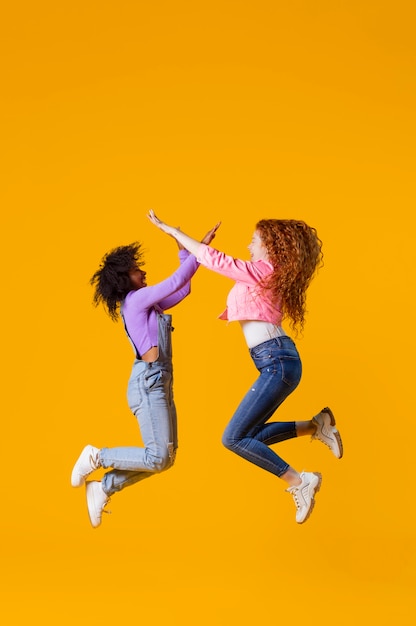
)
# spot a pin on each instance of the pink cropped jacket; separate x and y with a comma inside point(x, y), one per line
point(246, 300)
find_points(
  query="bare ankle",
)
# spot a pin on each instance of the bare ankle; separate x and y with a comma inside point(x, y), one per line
point(291, 477)
point(305, 428)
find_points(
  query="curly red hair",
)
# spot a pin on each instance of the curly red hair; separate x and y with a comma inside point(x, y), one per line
point(295, 251)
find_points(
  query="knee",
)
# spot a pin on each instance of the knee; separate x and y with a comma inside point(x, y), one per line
point(163, 461)
point(228, 440)
point(158, 464)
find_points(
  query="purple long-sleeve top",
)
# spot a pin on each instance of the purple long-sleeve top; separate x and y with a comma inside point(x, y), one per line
point(139, 308)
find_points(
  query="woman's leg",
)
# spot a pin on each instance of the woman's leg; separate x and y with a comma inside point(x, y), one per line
point(275, 432)
point(151, 399)
point(244, 433)
point(248, 435)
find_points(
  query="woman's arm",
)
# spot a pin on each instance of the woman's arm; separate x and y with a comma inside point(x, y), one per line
point(213, 259)
point(176, 287)
point(146, 297)
point(174, 298)
point(190, 244)
point(249, 272)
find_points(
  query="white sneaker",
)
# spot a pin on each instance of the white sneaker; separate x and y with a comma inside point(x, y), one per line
point(96, 501)
point(88, 461)
point(326, 431)
point(304, 493)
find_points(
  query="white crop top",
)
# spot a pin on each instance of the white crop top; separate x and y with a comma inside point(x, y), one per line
point(256, 332)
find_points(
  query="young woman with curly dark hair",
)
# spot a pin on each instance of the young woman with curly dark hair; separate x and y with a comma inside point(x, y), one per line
point(285, 255)
point(120, 285)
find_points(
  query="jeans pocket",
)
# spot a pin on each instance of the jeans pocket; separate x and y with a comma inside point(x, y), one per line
point(263, 357)
point(152, 378)
point(291, 370)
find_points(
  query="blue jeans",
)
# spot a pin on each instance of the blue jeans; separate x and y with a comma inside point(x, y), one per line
point(150, 397)
point(248, 434)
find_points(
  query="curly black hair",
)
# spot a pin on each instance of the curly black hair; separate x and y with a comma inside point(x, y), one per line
point(112, 280)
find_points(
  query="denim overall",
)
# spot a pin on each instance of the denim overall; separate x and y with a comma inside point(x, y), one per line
point(150, 398)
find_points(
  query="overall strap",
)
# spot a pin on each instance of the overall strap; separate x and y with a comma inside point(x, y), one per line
point(129, 338)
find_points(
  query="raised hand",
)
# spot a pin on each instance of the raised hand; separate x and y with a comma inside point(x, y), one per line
point(210, 234)
point(189, 243)
point(157, 222)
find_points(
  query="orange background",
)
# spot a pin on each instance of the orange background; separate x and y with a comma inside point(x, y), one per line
point(229, 111)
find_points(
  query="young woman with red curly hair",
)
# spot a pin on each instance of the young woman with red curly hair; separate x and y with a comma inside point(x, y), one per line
point(271, 287)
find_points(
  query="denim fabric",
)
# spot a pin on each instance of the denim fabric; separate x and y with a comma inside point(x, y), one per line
point(248, 434)
point(150, 397)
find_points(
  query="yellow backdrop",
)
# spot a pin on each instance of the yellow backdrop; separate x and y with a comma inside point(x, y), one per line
point(207, 111)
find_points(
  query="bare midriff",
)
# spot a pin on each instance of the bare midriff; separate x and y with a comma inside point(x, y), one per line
point(151, 355)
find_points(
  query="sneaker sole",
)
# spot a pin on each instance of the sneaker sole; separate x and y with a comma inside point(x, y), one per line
point(335, 433)
point(89, 492)
point(317, 488)
point(77, 478)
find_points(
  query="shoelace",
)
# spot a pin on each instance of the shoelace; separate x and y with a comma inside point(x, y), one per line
point(315, 436)
point(294, 492)
point(104, 510)
point(320, 431)
point(94, 462)
point(333, 440)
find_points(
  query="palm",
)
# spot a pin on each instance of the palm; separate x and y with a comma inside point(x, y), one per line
point(210, 234)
